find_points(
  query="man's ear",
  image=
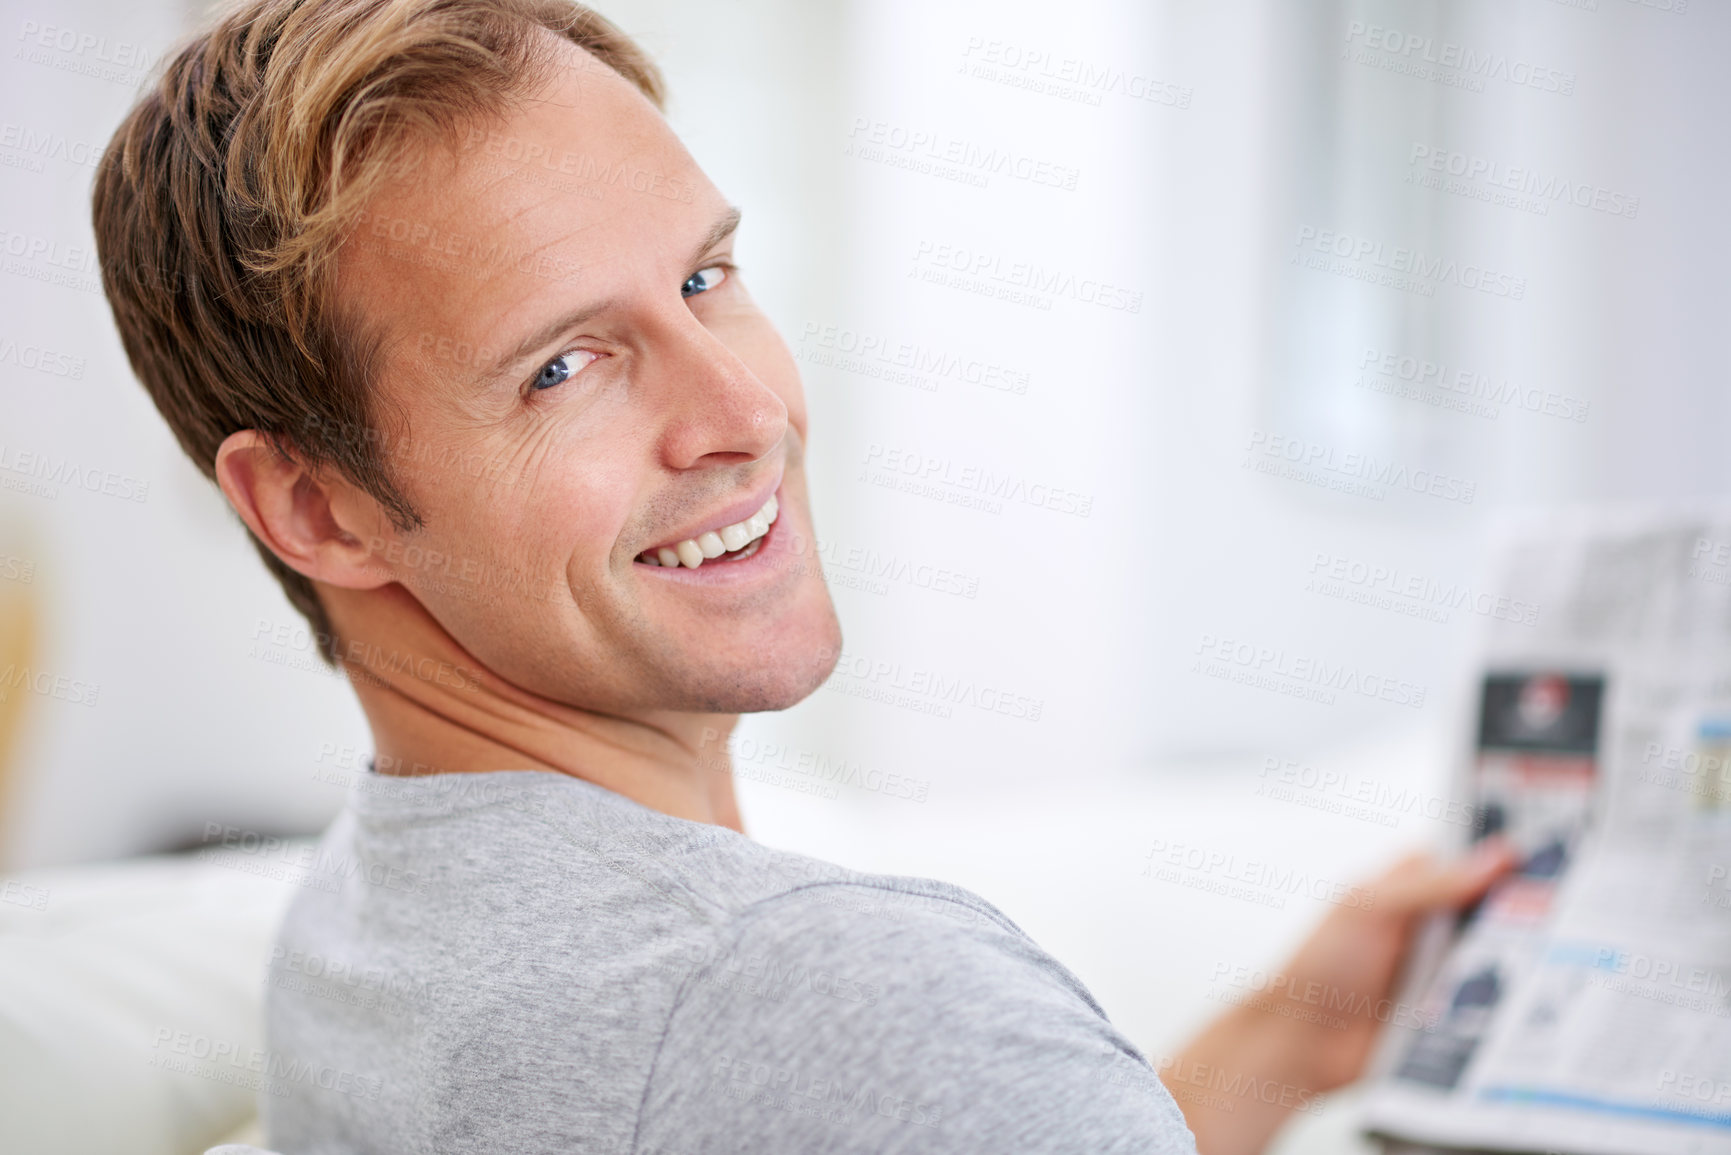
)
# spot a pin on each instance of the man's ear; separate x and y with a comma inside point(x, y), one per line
point(324, 528)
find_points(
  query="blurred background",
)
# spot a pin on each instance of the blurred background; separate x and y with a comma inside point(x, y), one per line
point(1135, 334)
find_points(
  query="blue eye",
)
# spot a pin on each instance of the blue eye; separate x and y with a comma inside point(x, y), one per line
point(561, 368)
point(703, 280)
point(555, 372)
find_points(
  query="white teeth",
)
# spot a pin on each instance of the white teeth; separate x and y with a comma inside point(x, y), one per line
point(693, 552)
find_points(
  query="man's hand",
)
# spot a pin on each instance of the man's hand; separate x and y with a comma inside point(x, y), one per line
point(1344, 973)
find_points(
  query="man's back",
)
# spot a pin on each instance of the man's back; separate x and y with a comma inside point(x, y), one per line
point(521, 961)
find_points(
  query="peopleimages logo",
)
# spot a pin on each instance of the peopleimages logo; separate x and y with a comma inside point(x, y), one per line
point(39, 145)
point(1176, 861)
point(1252, 663)
point(1448, 62)
point(732, 749)
point(1337, 792)
point(861, 351)
point(1392, 588)
point(1038, 69)
point(1361, 474)
point(47, 684)
point(1546, 187)
point(1465, 386)
point(1022, 282)
point(41, 358)
point(919, 149)
point(47, 252)
point(532, 157)
point(931, 687)
point(43, 471)
point(889, 463)
point(226, 1061)
point(82, 53)
point(831, 1098)
point(1399, 267)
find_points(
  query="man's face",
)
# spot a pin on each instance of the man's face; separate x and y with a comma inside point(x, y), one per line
point(579, 381)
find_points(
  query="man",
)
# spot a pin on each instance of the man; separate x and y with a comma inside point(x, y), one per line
point(434, 294)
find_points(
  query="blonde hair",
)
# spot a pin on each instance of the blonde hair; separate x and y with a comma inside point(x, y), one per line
point(227, 191)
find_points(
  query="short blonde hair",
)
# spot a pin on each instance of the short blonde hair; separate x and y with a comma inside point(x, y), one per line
point(226, 193)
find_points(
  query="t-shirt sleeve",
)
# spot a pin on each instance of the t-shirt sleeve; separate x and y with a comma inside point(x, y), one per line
point(835, 1018)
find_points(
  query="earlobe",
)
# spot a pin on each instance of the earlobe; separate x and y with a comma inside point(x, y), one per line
point(295, 512)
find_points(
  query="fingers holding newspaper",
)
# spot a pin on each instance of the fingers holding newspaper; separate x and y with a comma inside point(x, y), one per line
point(1346, 970)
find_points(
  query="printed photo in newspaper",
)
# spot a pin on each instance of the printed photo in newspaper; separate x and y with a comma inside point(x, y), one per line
point(1584, 1006)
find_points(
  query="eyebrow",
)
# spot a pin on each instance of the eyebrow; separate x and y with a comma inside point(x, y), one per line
point(724, 227)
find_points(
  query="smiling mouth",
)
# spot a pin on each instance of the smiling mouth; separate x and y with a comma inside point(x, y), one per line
point(729, 543)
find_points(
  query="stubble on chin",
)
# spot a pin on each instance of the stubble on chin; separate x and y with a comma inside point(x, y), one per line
point(754, 680)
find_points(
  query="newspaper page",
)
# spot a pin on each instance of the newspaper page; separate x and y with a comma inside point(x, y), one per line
point(1584, 1006)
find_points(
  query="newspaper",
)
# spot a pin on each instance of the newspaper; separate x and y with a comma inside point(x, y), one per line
point(1584, 1006)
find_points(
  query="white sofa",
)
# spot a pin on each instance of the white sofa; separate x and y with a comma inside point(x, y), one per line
point(130, 1000)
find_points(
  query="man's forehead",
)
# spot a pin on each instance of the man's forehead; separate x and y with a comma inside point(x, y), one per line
point(551, 198)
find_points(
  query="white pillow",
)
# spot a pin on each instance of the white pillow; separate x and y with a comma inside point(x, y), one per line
point(131, 1002)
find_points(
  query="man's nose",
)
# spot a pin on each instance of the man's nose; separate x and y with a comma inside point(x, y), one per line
point(714, 406)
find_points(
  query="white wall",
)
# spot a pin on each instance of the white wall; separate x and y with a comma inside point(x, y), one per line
point(153, 602)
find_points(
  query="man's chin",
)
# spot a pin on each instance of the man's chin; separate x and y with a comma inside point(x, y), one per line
point(774, 678)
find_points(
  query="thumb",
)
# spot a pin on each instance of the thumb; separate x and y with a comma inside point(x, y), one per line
point(1422, 885)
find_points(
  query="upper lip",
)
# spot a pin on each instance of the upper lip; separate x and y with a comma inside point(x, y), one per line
point(731, 514)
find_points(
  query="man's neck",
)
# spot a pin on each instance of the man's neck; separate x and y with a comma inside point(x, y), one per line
point(670, 761)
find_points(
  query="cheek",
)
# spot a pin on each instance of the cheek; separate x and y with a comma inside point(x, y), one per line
point(550, 501)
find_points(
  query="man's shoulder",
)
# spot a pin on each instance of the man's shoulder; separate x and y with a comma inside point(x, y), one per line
point(605, 882)
point(773, 886)
point(678, 965)
point(905, 920)
point(912, 946)
point(568, 831)
point(880, 1013)
point(525, 851)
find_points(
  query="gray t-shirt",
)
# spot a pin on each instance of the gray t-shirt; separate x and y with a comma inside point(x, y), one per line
point(523, 962)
